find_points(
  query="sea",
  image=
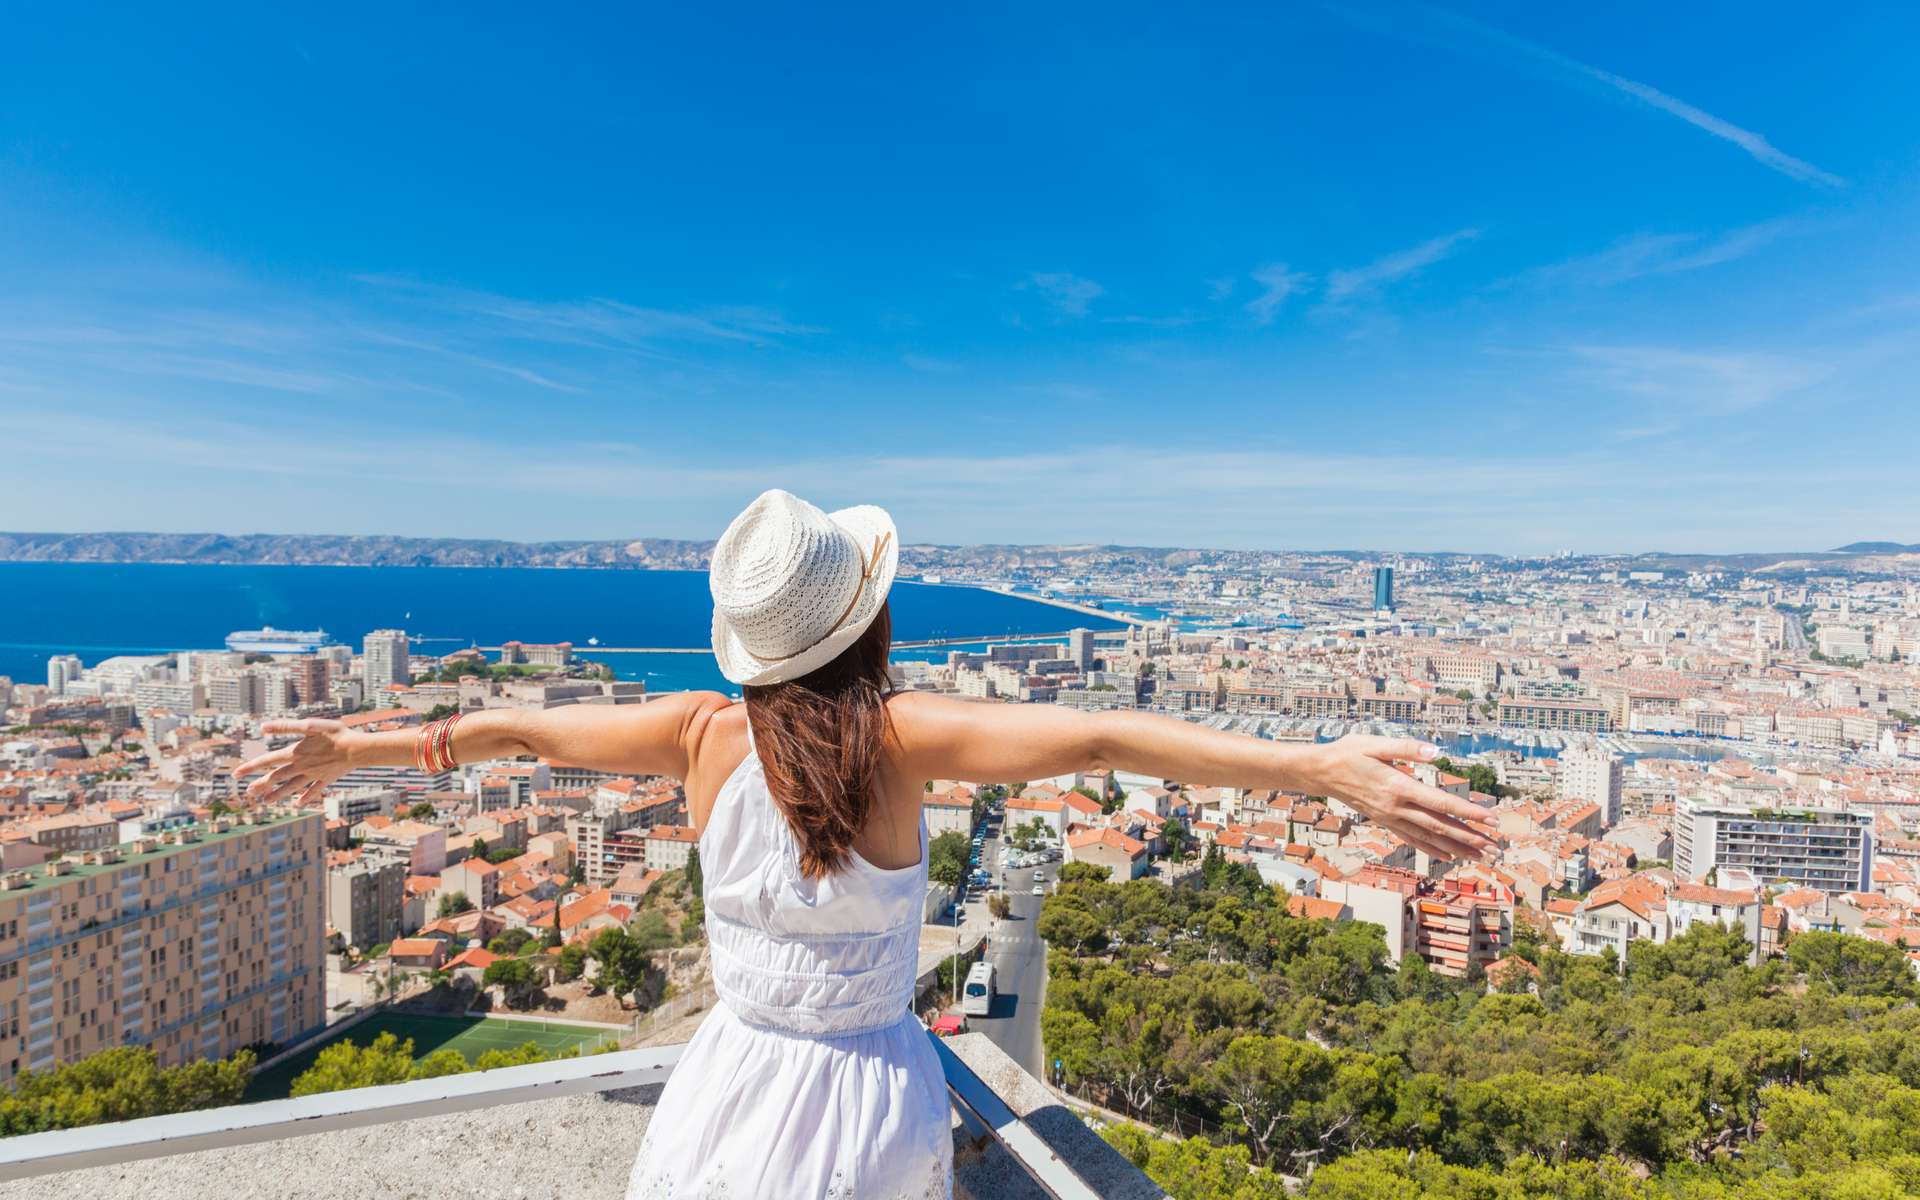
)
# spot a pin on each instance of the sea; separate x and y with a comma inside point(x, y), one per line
point(97, 610)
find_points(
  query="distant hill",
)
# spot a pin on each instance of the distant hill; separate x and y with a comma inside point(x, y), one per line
point(346, 550)
point(1878, 548)
point(977, 561)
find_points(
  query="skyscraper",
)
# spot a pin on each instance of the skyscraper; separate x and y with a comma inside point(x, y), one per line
point(1383, 587)
point(384, 661)
point(1080, 648)
point(62, 669)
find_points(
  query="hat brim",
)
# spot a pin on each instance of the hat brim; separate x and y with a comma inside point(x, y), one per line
point(867, 524)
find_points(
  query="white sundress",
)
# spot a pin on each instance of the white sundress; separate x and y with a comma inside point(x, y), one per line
point(811, 1078)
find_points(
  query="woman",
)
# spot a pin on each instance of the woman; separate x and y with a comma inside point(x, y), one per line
point(811, 1077)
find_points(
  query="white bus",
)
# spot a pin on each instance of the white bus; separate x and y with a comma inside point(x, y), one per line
point(976, 998)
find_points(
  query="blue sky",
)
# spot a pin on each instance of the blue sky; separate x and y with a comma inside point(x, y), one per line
point(1489, 277)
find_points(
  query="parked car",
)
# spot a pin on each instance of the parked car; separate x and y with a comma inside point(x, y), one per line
point(949, 1024)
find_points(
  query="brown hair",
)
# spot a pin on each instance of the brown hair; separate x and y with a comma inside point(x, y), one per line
point(822, 740)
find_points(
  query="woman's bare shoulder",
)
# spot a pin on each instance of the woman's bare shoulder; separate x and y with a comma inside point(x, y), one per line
point(713, 722)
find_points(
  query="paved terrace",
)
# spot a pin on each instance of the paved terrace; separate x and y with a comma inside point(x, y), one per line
point(566, 1129)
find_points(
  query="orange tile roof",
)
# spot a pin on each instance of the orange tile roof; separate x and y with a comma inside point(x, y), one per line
point(478, 957)
point(1315, 907)
point(1112, 839)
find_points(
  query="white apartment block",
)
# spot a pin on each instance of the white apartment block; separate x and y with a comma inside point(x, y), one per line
point(1829, 850)
point(1591, 774)
point(383, 660)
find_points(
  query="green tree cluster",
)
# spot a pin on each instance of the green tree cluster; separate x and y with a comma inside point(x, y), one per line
point(388, 1059)
point(947, 858)
point(516, 978)
point(120, 1084)
point(1479, 776)
point(1298, 1046)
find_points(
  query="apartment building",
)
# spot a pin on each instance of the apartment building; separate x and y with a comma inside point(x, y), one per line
point(1476, 672)
point(1390, 707)
point(949, 809)
point(594, 845)
point(1829, 850)
point(67, 833)
point(366, 902)
point(383, 661)
point(1452, 924)
point(1591, 774)
point(475, 878)
point(420, 847)
point(1320, 703)
point(668, 847)
point(354, 805)
point(1584, 716)
point(197, 943)
point(1460, 924)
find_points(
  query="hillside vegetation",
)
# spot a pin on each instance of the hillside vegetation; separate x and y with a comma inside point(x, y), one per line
point(1292, 1046)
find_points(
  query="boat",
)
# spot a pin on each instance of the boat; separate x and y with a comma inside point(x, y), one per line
point(268, 640)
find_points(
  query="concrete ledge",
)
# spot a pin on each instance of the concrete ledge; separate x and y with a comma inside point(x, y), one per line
point(277, 1120)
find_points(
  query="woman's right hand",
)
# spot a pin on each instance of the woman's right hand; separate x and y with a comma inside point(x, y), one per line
point(321, 756)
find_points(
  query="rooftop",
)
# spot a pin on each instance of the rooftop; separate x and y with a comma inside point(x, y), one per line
point(565, 1128)
point(204, 834)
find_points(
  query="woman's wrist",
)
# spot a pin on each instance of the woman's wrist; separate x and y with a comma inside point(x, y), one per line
point(1303, 767)
point(363, 750)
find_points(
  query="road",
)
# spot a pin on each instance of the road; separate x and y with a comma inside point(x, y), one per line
point(1019, 960)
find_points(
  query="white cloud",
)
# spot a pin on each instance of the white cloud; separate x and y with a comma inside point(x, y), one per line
point(1069, 293)
point(1356, 281)
point(1564, 69)
point(1645, 254)
point(1759, 147)
point(1716, 381)
point(1277, 284)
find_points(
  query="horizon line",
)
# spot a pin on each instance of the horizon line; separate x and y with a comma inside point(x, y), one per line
point(1893, 547)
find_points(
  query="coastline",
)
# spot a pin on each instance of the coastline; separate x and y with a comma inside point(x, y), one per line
point(1070, 606)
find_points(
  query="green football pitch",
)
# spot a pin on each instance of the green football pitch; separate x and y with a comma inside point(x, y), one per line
point(471, 1036)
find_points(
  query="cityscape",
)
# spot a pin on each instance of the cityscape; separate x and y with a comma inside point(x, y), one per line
point(1519, 398)
point(1708, 772)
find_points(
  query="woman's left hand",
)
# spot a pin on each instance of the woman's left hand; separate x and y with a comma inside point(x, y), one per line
point(1358, 769)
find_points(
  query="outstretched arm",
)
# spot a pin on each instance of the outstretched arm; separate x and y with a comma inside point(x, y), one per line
point(642, 739)
point(944, 738)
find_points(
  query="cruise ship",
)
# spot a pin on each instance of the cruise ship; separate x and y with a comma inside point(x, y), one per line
point(277, 641)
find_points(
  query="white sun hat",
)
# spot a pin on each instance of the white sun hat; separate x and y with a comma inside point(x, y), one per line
point(794, 586)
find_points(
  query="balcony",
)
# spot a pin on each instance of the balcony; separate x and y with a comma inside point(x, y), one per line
point(568, 1128)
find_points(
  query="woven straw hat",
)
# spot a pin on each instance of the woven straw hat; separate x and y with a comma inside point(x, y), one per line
point(794, 586)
